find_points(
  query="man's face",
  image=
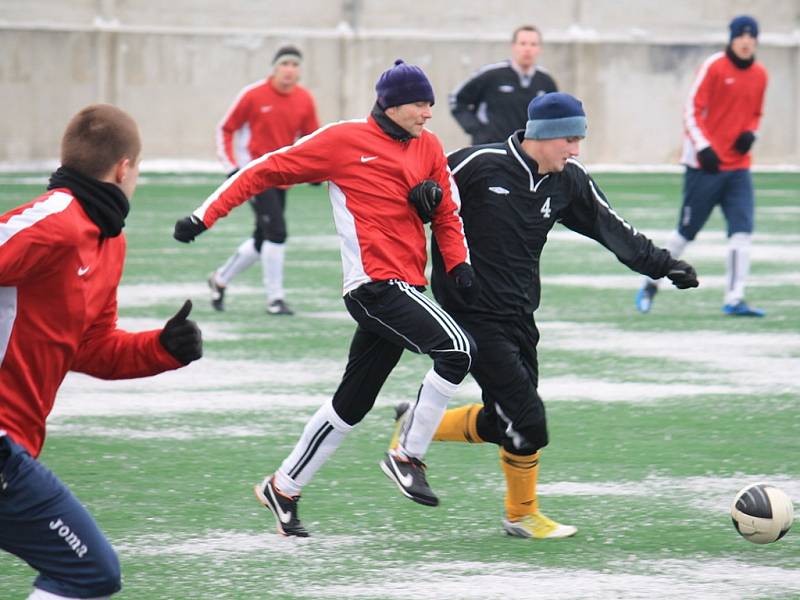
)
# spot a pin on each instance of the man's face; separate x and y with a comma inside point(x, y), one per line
point(744, 46)
point(552, 154)
point(525, 48)
point(286, 74)
point(411, 117)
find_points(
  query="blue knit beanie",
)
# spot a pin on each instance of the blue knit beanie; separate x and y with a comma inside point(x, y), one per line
point(555, 115)
point(743, 24)
point(403, 84)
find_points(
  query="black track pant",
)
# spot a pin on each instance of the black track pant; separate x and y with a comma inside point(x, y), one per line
point(269, 207)
point(393, 316)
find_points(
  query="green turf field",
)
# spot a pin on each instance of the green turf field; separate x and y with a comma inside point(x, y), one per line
point(655, 422)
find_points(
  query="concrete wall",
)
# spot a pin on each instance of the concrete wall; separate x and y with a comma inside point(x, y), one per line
point(176, 66)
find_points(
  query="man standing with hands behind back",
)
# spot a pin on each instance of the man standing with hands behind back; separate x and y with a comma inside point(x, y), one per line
point(492, 103)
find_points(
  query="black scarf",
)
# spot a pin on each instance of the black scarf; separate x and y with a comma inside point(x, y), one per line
point(389, 127)
point(105, 203)
point(740, 63)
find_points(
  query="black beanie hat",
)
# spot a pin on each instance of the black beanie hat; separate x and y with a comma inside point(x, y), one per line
point(285, 53)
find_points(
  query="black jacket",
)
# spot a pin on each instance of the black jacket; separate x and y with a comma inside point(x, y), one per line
point(508, 210)
point(493, 103)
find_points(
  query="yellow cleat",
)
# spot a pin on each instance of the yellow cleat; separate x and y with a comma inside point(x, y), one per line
point(536, 525)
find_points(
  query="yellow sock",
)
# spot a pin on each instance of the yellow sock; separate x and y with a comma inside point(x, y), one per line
point(460, 425)
point(521, 472)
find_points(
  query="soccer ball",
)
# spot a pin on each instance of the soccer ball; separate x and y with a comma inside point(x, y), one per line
point(762, 513)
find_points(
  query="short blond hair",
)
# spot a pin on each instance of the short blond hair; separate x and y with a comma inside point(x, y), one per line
point(97, 138)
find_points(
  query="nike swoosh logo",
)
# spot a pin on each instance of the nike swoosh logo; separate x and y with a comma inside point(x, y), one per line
point(82, 271)
point(284, 516)
point(367, 158)
point(405, 480)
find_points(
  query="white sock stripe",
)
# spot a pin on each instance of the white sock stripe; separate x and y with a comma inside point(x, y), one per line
point(316, 440)
point(459, 339)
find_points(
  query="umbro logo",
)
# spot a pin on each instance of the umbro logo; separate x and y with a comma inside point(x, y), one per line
point(730, 80)
point(499, 190)
point(266, 109)
point(82, 271)
point(365, 159)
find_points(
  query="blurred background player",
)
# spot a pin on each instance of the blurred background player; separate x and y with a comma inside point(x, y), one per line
point(61, 259)
point(492, 103)
point(265, 116)
point(387, 176)
point(721, 118)
point(512, 194)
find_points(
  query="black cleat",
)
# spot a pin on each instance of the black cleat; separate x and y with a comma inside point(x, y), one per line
point(217, 294)
point(283, 508)
point(279, 307)
point(409, 475)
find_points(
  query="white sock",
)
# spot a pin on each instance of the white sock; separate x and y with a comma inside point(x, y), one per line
point(272, 256)
point(676, 244)
point(429, 410)
point(737, 267)
point(322, 435)
point(241, 260)
point(38, 594)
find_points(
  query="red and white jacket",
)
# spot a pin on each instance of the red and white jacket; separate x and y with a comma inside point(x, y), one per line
point(370, 174)
point(724, 102)
point(262, 119)
point(58, 312)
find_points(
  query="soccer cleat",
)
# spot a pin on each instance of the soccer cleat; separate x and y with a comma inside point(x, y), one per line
point(217, 293)
point(409, 475)
point(283, 508)
point(401, 414)
point(644, 297)
point(536, 525)
point(741, 309)
point(279, 307)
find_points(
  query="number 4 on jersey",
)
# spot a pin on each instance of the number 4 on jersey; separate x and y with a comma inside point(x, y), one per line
point(546, 208)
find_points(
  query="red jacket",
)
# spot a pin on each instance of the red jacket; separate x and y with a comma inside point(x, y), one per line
point(58, 312)
point(265, 120)
point(370, 174)
point(724, 102)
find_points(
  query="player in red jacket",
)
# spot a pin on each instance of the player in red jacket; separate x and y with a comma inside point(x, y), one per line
point(721, 120)
point(265, 116)
point(61, 259)
point(387, 176)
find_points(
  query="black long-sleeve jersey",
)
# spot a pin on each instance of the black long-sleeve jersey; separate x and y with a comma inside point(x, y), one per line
point(508, 209)
point(493, 103)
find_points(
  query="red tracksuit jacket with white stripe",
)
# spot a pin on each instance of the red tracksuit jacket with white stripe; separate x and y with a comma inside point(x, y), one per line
point(369, 174)
point(265, 120)
point(724, 102)
point(58, 312)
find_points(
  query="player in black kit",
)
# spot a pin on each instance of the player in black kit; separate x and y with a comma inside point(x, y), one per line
point(512, 194)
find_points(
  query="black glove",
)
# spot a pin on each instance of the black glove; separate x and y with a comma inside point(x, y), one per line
point(425, 197)
point(188, 228)
point(232, 173)
point(708, 159)
point(682, 275)
point(744, 142)
point(181, 337)
point(466, 282)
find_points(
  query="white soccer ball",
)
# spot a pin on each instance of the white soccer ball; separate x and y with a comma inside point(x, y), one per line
point(762, 513)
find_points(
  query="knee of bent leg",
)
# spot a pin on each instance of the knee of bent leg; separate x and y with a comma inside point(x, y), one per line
point(454, 363)
point(528, 440)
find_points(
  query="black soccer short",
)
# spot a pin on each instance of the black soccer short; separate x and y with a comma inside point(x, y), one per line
point(393, 316)
point(507, 370)
point(269, 207)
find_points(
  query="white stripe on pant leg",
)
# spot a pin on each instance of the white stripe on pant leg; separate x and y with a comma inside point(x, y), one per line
point(737, 267)
point(241, 260)
point(428, 412)
point(321, 436)
point(272, 259)
point(453, 329)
